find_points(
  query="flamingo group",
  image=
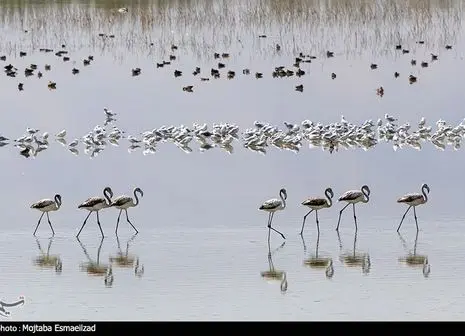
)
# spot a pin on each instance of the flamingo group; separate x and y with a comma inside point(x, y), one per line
point(350, 197)
point(92, 204)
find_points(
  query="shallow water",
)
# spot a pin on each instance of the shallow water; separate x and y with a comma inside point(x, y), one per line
point(202, 240)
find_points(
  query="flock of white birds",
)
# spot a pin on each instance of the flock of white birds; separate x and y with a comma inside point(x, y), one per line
point(260, 138)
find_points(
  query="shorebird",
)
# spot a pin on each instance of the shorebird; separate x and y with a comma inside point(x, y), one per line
point(96, 204)
point(124, 203)
point(413, 200)
point(273, 205)
point(46, 205)
point(316, 204)
point(353, 197)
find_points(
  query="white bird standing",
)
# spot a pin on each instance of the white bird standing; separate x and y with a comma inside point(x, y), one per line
point(46, 205)
point(413, 200)
point(316, 204)
point(353, 197)
point(96, 204)
point(123, 203)
point(273, 205)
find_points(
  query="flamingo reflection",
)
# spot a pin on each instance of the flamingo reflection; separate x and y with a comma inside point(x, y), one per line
point(46, 260)
point(94, 267)
point(272, 274)
point(413, 259)
point(354, 259)
point(123, 259)
point(126, 260)
point(318, 262)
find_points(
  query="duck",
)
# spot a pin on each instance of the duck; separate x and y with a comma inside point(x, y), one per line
point(136, 72)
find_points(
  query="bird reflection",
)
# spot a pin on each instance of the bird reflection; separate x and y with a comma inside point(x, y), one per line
point(413, 259)
point(138, 269)
point(273, 274)
point(123, 259)
point(93, 267)
point(47, 261)
point(354, 259)
point(318, 262)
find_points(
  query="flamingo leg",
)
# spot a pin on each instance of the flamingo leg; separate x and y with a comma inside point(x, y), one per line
point(49, 223)
point(416, 220)
point(98, 222)
point(272, 228)
point(117, 221)
point(303, 223)
point(403, 217)
point(269, 227)
point(38, 223)
point(127, 218)
point(83, 224)
point(340, 214)
point(355, 217)
point(317, 223)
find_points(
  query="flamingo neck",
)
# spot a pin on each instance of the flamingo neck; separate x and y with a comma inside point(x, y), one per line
point(137, 198)
point(425, 196)
point(330, 201)
point(283, 201)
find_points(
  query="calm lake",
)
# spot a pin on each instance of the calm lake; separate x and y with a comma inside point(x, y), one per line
point(202, 241)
